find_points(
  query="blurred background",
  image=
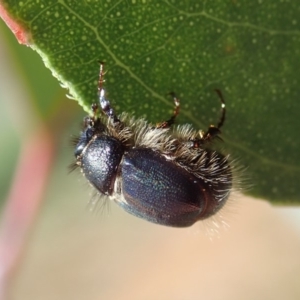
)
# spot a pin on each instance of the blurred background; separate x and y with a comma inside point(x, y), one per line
point(73, 253)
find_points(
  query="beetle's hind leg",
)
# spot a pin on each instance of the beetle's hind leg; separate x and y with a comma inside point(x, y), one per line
point(213, 131)
point(170, 122)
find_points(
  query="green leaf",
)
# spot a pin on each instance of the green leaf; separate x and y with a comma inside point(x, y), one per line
point(248, 49)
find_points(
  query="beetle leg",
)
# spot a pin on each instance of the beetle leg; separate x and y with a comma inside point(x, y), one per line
point(170, 122)
point(104, 103)
point(212, 131)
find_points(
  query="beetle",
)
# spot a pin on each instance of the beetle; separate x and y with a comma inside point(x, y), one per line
point(168, 176)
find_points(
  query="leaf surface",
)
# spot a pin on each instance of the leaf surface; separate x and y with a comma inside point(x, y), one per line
point(250, 50)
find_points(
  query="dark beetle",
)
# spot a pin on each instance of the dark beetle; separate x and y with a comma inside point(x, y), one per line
point(165, 176)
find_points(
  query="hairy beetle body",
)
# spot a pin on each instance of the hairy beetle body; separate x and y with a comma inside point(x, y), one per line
point(166, 176)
